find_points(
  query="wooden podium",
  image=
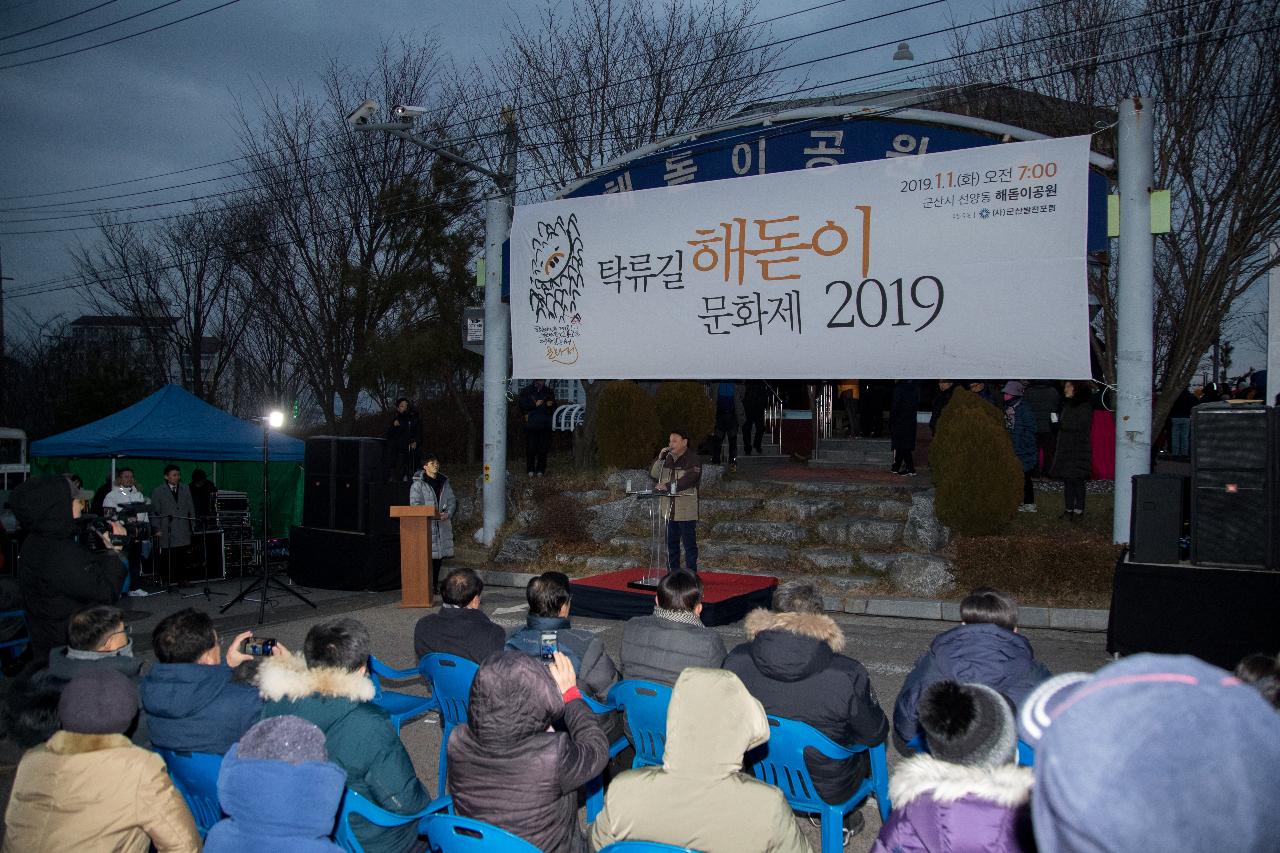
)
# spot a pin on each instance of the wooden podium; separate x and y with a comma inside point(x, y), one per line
point(416, 582)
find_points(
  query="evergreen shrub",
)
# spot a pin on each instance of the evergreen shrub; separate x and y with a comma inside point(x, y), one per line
point(627, 428)
point(685, 406)
point(977, 476)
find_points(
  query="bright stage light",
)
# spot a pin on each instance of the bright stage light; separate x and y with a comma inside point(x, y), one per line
point(275, 419)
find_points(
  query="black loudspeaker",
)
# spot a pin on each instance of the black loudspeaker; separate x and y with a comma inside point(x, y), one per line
point(1233, 476)
point(1155, 521)
point(341, 476)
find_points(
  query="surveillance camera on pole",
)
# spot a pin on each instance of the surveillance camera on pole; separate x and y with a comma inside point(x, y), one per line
point(407, 113)
point(362, 114)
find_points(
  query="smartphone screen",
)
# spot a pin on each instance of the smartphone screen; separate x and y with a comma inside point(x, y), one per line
point(258, 646)
point(549, 646)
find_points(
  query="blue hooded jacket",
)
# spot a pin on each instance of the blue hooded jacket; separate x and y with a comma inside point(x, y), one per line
point(193, 707)
point(981, 653)
point(275, 806)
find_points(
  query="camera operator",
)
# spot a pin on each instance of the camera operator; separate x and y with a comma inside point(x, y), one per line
point(57, 575)
point(126, 493)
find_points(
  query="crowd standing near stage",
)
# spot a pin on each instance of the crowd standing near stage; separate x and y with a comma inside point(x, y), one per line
point(1150, 752)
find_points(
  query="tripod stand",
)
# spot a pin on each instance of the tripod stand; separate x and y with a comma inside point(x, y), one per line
point(205, 590)
point(264, 584)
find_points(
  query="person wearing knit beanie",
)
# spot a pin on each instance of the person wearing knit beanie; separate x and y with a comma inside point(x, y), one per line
point(89, 788)
point(967, 789)
point(279, 790)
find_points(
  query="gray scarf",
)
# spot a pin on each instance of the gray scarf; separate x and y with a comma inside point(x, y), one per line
point(685, 617)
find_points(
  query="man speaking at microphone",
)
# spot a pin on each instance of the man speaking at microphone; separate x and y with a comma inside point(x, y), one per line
point(677, 465)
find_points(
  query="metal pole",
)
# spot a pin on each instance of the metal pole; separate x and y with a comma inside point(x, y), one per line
point(1273, 326)
point(3, 364)
point(1135, 304)
point(497, 341)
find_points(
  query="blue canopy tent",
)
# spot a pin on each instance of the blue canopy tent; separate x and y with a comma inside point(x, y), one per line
point(173, 425)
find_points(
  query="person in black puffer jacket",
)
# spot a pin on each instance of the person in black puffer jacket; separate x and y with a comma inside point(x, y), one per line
point(1073, 461)
point(986, 649)
point(58, 576)
point(792, 663)
point(507, 768)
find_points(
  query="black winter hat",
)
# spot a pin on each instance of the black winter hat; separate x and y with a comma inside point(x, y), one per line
point(968, 724)
point(101, 701)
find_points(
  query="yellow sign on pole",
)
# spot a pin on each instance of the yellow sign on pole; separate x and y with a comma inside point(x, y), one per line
point(1161, 215)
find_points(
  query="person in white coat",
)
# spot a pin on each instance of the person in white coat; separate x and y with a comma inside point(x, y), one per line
point(431, 488)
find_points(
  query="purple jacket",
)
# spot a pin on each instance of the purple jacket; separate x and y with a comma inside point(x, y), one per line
point(947, 808)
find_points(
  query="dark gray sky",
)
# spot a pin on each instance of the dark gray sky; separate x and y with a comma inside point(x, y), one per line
point(166, 100)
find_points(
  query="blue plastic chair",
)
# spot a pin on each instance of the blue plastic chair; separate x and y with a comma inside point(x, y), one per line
point(354, 804)
point(1026, 753)
point(451, 834)
point(643, 847)
point(595, 787)
point(195, 775)
point(644, 704)
point(450, 677)
point(399, 706)
point(15, 646)
point(780, 762)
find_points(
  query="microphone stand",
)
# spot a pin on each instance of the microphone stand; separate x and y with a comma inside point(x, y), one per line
point(205, 590)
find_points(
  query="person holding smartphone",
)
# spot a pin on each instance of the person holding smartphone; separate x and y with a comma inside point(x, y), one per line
point(508, 753)
point(193, 698)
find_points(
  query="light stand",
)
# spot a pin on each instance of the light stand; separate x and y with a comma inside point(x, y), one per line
point(265, 583)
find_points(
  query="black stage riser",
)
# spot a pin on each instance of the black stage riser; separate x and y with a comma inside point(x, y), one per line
point(1218, 615)
point(335, 559)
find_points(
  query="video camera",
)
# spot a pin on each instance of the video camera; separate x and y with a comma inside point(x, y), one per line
point(130, 516)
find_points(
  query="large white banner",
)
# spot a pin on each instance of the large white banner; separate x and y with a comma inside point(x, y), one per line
point(962, 264)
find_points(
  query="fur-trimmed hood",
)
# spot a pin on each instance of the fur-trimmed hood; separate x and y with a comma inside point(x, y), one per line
point(1007, 785)
point(792, 646)
point(290, 678)
point(817, 626)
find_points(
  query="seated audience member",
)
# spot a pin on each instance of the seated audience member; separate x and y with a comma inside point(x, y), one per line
point(98, 639)
point(509, 768)
point(985, 649)
point(459, 627)
point(1153, 752)
point(659, 647)
point(89, 788)
point(193, 700)
point(332, 690)
point(279, 791)
point(548, 596)
point(700, 798)
point(791, 662)
point(968, 787)
point(1263, 672)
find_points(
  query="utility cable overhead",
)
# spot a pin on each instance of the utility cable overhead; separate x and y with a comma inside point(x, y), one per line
point(79, 280)
point(459, 142)
point(462, 141)
point(58, 21)
point(122, 38)
point(90, 30)
point(481, 96)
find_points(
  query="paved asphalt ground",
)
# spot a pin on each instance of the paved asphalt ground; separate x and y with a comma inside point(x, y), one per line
point(887, 647)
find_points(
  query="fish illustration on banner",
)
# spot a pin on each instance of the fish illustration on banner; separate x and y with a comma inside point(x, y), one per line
point(555, 284)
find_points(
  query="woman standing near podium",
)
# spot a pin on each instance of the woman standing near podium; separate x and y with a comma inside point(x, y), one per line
point(431, 488)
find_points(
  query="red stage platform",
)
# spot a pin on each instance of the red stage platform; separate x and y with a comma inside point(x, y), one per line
point(726, 597)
